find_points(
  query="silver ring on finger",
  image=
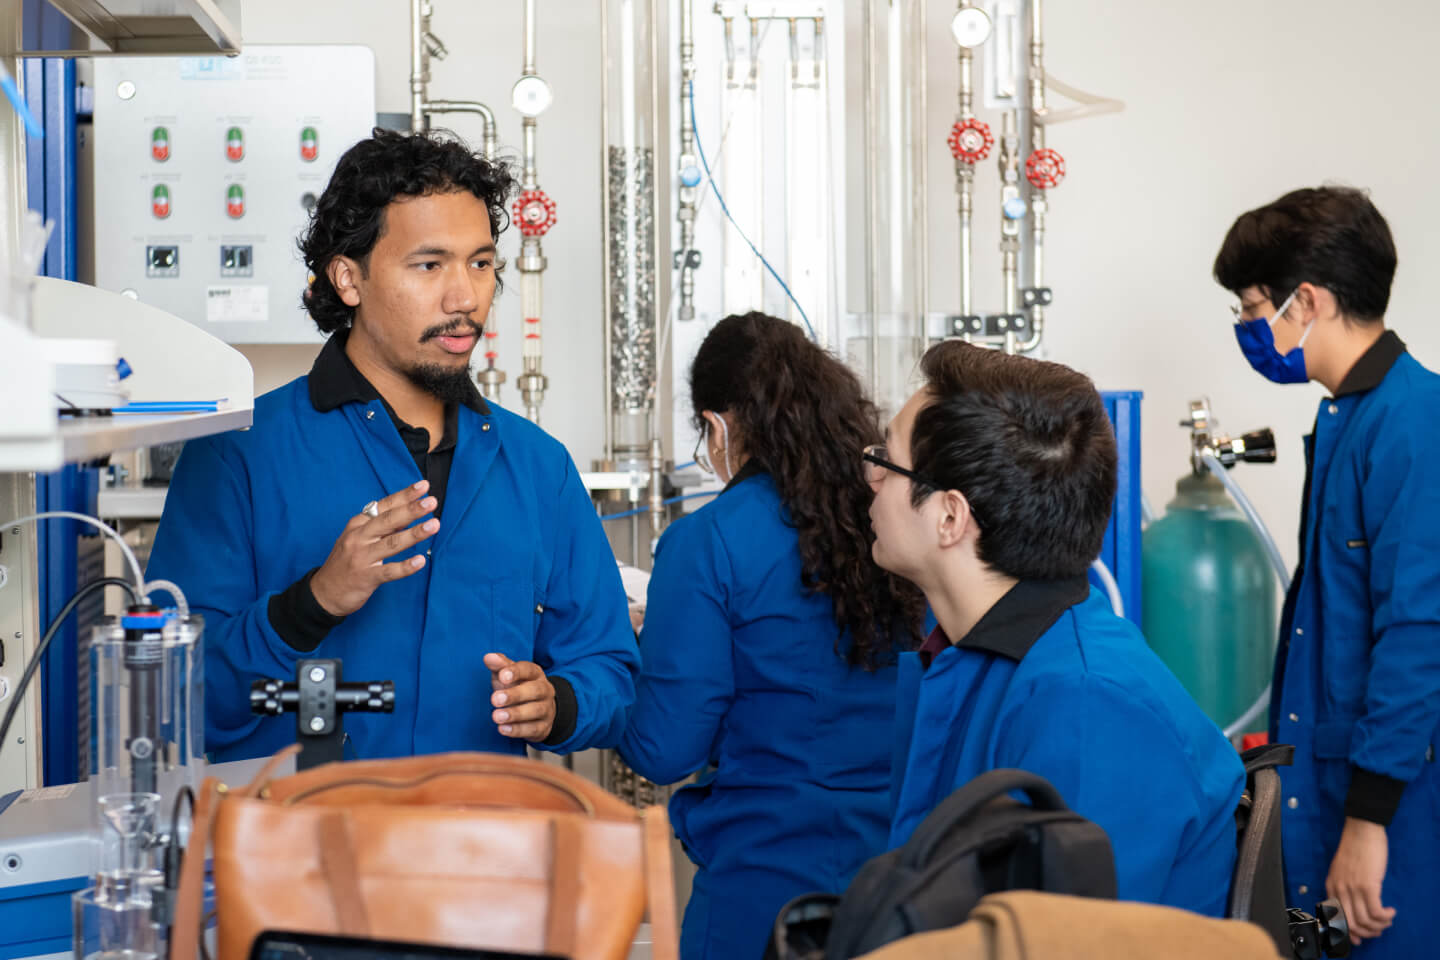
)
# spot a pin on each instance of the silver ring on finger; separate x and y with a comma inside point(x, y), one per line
point(371, 509)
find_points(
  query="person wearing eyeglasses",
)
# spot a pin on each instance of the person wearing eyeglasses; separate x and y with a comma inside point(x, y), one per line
point(770, 639)
point(992, 493)
point(1357, 670)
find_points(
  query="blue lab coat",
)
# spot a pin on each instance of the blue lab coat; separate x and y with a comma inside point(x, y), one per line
point(520, 566)
point(1358, 665)
point(1090, 708)
point(741, 676)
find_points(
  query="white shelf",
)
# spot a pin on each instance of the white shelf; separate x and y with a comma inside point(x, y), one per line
point(80, 439)
point(171, 360)
point(175, 27)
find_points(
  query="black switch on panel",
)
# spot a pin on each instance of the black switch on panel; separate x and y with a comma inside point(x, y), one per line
point(237, 261)
point(162, 261)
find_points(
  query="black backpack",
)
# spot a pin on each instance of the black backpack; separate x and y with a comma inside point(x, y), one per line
point(978, 841)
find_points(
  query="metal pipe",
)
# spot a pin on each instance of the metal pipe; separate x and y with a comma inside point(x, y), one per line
point(1009, 225)
point(754, 49)
point(419, 61)
point(965, 180)
point(422, 42)
point(819, 46)
point(794, 50)
point(491, 141)
point(657, 477)
point(921, 145)
point(606, 280)
point(689, 170)
point(532, 263)
point(528, 68)
point(652, 402)
point(872, 204)
point(1039, 201)
point(730, 49)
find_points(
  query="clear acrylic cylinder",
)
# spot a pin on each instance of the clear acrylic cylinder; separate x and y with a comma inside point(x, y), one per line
point(888, 336)
point(147, 696)
point(632, 282)
point(116, 922)
point(146, 743)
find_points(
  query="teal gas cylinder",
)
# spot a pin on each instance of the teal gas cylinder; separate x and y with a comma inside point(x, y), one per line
point(1210, 599)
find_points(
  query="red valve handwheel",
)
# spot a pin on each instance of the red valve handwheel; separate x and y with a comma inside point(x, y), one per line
point(970, 140)
point(1045, 169)
point(534, 213)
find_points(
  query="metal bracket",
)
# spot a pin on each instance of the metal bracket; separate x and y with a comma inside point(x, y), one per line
point(1036, 297)
point(319, 699)
point(773, 10)
point(317, 680)
point(687, 258)
point(991, 326)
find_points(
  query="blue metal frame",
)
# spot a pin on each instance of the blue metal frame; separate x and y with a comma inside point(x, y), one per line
point(50, 182)
point(37, 918)
point(1121, 552)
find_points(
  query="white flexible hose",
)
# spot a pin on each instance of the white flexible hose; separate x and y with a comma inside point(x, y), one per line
point(1247, 508)
point(1092, 105)
point(1117, 602)
point(181, 606)
point(1253, 516)
point(104, 528)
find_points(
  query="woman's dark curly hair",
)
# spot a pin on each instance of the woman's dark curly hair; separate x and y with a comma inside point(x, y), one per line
point(803, 416)
point(350, 215)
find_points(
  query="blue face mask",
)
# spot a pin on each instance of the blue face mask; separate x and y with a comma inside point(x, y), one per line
point(1257, 342)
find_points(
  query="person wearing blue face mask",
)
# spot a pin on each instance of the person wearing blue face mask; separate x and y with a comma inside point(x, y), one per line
point(1357, 670)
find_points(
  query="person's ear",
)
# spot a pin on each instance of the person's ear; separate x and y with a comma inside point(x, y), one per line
point(955, 521)
point(343, 273)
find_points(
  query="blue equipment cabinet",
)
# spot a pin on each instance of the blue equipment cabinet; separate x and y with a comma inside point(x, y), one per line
point(1121, 553)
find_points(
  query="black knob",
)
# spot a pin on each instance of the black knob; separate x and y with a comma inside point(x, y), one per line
point(1334, 929)
point(1259, 446)
point(268, 698)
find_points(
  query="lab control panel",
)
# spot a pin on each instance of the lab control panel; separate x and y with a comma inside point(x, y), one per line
point(206, 171)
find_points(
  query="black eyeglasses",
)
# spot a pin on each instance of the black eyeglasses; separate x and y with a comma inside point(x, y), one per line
point(875, 460)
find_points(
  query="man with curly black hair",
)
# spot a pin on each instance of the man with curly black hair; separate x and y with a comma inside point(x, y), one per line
point(379, 511)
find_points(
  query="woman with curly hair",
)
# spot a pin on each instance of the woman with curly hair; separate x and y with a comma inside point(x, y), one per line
point(770, 640)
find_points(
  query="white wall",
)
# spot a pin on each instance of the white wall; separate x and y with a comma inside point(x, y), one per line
point(1228, 106)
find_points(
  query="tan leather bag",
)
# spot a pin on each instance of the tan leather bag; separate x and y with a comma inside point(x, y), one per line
point(468, 850)
point(1029, 925)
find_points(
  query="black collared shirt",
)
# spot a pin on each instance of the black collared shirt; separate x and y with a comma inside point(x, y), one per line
point(334, 381)
point(1017, 620)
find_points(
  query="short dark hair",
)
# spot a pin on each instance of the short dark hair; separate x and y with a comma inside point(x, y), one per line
point(1029, 445)
point(349, 217)
point(1332, 237)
